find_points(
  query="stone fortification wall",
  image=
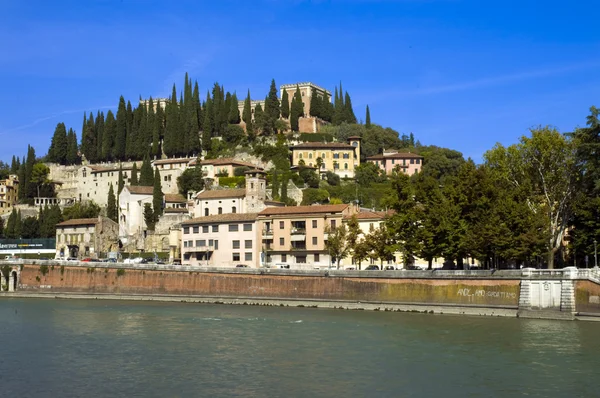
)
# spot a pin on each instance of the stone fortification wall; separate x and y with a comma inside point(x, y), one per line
point(374, 286)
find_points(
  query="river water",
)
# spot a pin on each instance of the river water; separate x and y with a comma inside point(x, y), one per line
point(85, 348)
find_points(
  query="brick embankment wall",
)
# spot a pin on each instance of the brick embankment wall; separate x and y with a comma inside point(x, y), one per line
point(458, 291)
point(587, 297)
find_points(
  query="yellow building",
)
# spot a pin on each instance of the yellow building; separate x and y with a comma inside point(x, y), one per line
point(9, 192)
point(337, 157)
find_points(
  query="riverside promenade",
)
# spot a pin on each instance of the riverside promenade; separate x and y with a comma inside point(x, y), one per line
point(567, 293)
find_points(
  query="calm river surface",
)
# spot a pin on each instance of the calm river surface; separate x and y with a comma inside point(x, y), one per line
point(80, 348)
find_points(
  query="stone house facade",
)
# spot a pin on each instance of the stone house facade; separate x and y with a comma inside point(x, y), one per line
point(86, 237)
point(337, 157)
point(408, 163)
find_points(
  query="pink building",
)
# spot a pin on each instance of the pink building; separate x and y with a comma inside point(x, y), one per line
point(408, 163)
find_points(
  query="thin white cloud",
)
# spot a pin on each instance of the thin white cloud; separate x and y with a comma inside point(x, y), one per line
point(53, 116)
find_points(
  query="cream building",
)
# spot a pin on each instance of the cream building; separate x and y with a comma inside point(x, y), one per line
point(86, 237)
point(131, 209)
point(337, 157)
point(9, 192)
point(295, 236)
point(223, 240)
point(212, 168)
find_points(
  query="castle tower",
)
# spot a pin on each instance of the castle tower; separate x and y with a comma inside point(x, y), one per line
point(256, 190)
point(355, 142)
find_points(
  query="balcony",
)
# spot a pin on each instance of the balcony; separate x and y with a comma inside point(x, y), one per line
point(199, 249)
point(298, 230)
point(267, 233)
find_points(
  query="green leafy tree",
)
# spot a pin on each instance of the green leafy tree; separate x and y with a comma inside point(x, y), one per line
point(111, 208)
point(233, 134)
point(191, 180)
point(337, 243)
point(30, 228)
point(543, 165)
point(81, 210)
point(367, 173)
point(18, 225)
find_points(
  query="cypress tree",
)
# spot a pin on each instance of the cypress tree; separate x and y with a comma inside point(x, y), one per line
point(271, 111)
point(14, 165)
point(193, 146)
point(111, 207)
point(284, 187)
point(108, 138)
point(297, 110)
point(157, 196)
point(88, 140)
point(349, 116)
point(315, 105)
point(275, 185)
point(172, 125)
point(121, 133)
point(368, 118)
point(327, 109)
point(18, 225)
point(22, 181)
point(57, 153)
point(10, 225)
point(207, 124)
point(234, 111)
point(158, 133)
point(146, 175)
point(99, 135)
point(133, 138)
point(338, 106)
point(197, 104)
point(259, 119)
point(134, 175)
point(121, 181)
point(285, 105)
point(247, 113)
point(72, 149)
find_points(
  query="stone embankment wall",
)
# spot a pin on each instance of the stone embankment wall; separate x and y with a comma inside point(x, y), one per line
point(371, 286)
point(587, 297)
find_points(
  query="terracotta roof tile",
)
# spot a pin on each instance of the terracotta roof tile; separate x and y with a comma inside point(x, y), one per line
point(174, 198)
point(225, 161)
point(175, 210)
point(401, 155)
point(275, 211)
point(139, 190)
point(222, 193)
point(231, 217)
point(78, 221)
point(322, 145)
point(172, 161)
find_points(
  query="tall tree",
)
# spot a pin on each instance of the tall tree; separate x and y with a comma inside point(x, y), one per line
point(146, 174)
point(121, 133)
point(157, 196)
point(297, 109)
point(111, 207)
point(368, 119)
point(315, 104)
point(348, 112)
point(247, 113)
point(108, 138)
point(72, 148)
point(158, 132)
point(133, 181)
point(336, 243)
point(121, 181)
point(234, 111)
point(544, 165)
point(58, 148)
point(208, 123)
point(100, 127)
point(272, 111)
point(285, 105)
point(259, 119)
point(172, 125)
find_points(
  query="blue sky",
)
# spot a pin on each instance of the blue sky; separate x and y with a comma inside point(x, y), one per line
point(460, 74)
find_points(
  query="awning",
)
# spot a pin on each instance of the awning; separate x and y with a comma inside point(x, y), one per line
point(298, 238)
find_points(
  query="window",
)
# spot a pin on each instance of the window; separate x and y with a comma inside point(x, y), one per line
point(235, 244)
point(201, 243)
point(247, 244)
point(196, 229)
point(418, 161)
point(216, 244)
point(333, 223)
point(251, 185)
point(186, 230)
point(234, 210)
point(323, 155)
point(299, 156)
point(233, 227)
point(247, 256)
point(314, 240)
point(346, 156)
point(281, 241)
point(412, 161)
point(310, 155)
point(236, 257)
point(215, 228)
point(336, 155)
point(281, 224)
point(185, 243)
point(301, 259)
point(284, 258)
point(220, 211)
point(345, 166)
point(205, 212)
point(393, 161)
point(205, 229)
point(317, 259)
point(314, 223)
point(247, 227)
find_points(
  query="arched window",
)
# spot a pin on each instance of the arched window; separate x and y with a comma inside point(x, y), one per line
point(299, 156)
point(310, 155)
point(345, 166)
point(233, 210)
point(220, 210)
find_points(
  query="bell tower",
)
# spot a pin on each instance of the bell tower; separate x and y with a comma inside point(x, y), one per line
point(256, 190)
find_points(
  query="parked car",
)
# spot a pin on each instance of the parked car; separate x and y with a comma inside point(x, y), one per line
point(372, 268)
point(86, 260)
point(176, 261)
point(389, 268)
point(72, 259)
point(241, 266)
